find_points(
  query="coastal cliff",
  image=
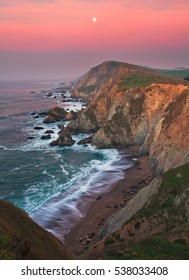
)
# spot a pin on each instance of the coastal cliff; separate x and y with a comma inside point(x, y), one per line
point(135, 106)
point(22, 239)
point(131, 105)
point(128, 106)
point(153, 225)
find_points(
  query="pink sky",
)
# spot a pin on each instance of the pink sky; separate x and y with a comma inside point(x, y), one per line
point(153, 33)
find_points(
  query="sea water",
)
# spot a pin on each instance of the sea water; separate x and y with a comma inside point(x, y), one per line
point(49, 183)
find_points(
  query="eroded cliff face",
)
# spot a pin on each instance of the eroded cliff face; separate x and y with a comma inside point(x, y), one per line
point(132, 106)
point(158, 216)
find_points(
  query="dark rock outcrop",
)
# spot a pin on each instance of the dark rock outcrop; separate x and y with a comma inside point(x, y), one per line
point(49, 131)
point(64, 139)
point(43, 113)
point(49, 119)
point(59, 114)
point(55, 114)
point(46, 137)
point(38, 128)
point(84, 141)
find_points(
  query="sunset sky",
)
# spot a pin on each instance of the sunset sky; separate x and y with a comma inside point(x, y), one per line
point(57, 39)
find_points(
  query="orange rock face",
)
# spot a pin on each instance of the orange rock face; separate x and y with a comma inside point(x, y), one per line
point(132, 106)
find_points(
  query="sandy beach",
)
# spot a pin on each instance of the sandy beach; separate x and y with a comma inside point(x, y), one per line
point(86, 233)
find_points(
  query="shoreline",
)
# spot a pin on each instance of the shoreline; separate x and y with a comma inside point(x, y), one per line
point(86, 233)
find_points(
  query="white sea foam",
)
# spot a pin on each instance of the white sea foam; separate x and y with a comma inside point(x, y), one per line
point(15, 169)
point(94, 178)
point(54, 203)
point(64, 170)
point(45, 172)
point(6, 148)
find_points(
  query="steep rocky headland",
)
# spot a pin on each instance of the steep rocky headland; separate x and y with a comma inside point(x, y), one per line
point(135, 106)
point(128, 106)
point(131, 105)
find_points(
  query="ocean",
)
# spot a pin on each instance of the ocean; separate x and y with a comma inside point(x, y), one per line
point(52, 184)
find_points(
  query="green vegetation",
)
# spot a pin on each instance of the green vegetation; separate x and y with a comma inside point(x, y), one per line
point(22, 238)
point(141, 79)
point(108, 242)
point(176, 179)
point(5, 250)
point(174, 73)
point(137, 79)
point(155, 248)
point(167, 209)
point(173, 187)
point(186, 78)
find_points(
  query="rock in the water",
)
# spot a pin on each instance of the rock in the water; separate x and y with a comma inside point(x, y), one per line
point(50, 94)
point(69, 116)
point(64, 140)
point(54, 143)
point(33, 113)
point(46, 136)
point(87, 140)
point(58, 113)
point(49, 119)
point(38, 127)
point(49, 131)
point(44, 113)
point(61, 126)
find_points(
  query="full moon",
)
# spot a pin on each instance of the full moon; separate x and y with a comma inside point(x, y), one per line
point(94, 19)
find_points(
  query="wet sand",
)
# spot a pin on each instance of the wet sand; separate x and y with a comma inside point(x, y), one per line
point(86, 233)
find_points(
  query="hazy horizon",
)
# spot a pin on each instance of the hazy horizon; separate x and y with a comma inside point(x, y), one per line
point(52, 39)
point(71, 71)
